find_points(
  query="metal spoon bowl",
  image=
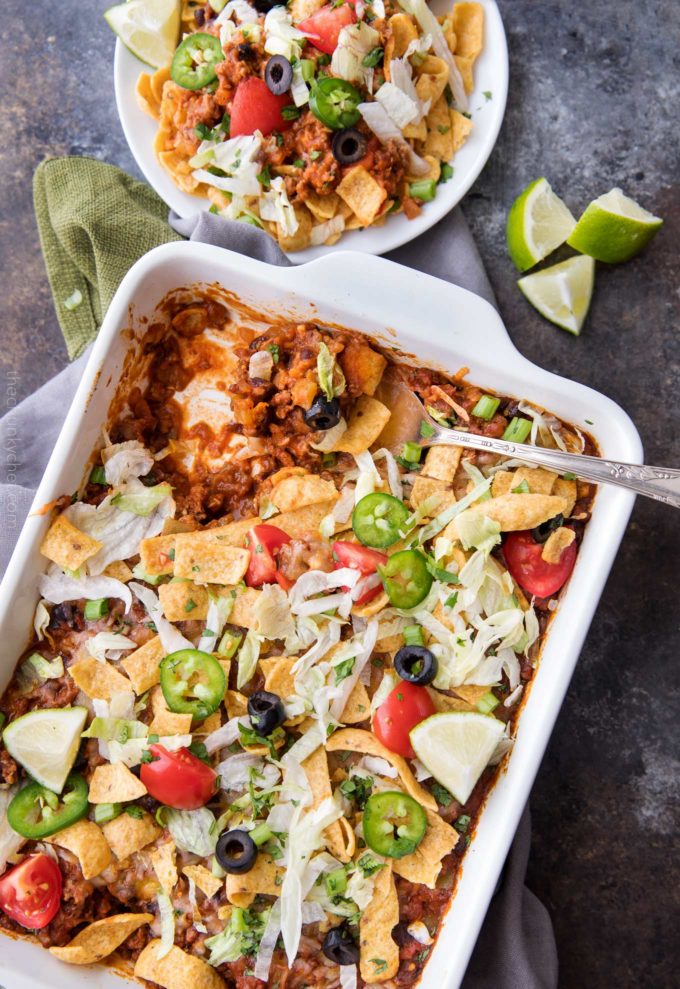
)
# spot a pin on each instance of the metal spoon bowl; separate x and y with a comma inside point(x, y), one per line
point(408, 412)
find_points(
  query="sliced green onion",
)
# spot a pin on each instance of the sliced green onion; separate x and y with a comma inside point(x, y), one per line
point(290, 112)
point(568, 476)
point(374, 56)
point(98, 476)
point(336, 882)
point(413, 635)
point(106, 812)
point(307, 69)
point(260, 834)
point(425, 190)
point(522, 488)
point(446, 173)
point(487, 703)
point(229, 644)
point(518, 430)
point(486, 407)
point(412, 452)
point(218, 5)
point(95, 609)
point(73, 301)
point(426, 430)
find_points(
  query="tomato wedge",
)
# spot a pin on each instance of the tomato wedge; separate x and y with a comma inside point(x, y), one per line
point(524, 561)
point(264, 541)
point(404, 708)
point(254, 107)
point(30, 893)
point(323, 28)
point(178, 779)
point(361, 558)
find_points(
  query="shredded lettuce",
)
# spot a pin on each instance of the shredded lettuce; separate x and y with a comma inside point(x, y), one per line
point(125, 461)
point(193, 830)
point(281, 37)
point(130, 752)
point(248, 655)
point(36, 669)
point(477, 530)
point(171, 638)
point(57, 587)
point(331, 379)
point(10, 841)
point(104, 642)
point(167, 918)
point(438, 523)
point(355, 42)
point(140, 500)
point(219, 610)
point(275, 204)
point(41, 620)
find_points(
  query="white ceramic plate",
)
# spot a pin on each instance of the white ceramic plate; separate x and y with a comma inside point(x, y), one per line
point(461, 329)
point(491, 76)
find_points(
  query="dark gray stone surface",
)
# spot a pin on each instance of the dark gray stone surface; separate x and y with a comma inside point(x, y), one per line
point(593, 103)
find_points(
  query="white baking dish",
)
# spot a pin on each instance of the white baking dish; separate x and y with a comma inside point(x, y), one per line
point(444, 326)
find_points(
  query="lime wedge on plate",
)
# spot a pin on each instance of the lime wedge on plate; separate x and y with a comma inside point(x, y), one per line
point(456, 747)
point(538, 222)
point(148, 28)
point(614, 228)
point(46, 743)
point(562, 292)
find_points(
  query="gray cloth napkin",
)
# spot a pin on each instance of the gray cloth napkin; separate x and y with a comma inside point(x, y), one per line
point(516, 947)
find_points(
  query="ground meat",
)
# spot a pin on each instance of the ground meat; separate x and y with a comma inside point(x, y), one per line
point(242, 59)
point(9, 771)
point(300, 555)
point(78, 905)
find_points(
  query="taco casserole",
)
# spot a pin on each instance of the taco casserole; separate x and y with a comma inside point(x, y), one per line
point(276, 664)
point(315, 118)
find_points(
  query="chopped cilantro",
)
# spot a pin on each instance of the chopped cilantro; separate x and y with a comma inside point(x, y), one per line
point(290, 112)
point(344, 669)
point(374, 56)
point(190, 605)
point(462, 823)
point(357, 789)
point(134, 811)
point(369, 865)
point(441, 794)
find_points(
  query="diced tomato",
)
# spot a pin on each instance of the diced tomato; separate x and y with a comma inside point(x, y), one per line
point(361, 558)
point(404, 708)
point(525, 563)
point(323, 28)
point(30, 893)
point(254, 107)
point(178, 779)
point(264, 541)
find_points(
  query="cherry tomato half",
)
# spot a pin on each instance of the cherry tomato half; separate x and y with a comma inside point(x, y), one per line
point(402, 710)
point(178, 779)
point(525, 563)
point(256, 108)
point(264, 541)
point(361, 558)
point(323, 28)
point(30, 893)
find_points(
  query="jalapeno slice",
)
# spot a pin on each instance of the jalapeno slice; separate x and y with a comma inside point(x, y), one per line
point(193, 682)
point(193, 64)
point(378, 518)
point(36, 812)
point(394, 823)
point(335, 103)
point(406, 579)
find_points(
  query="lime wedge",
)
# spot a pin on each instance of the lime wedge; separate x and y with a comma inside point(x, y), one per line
point(456, 748)
point(148, 28)
point(46, 743)
point(538, 222)
point(614, 228)
point(562, 292)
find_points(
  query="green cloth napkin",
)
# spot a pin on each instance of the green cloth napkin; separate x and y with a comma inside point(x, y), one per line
point(94, 222)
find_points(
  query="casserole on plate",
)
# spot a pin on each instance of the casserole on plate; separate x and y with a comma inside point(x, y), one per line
point(319, 297)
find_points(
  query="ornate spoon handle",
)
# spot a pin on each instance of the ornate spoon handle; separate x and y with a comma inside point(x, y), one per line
point(659, 483)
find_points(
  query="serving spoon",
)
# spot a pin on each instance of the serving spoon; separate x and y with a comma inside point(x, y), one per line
point(660, 483)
